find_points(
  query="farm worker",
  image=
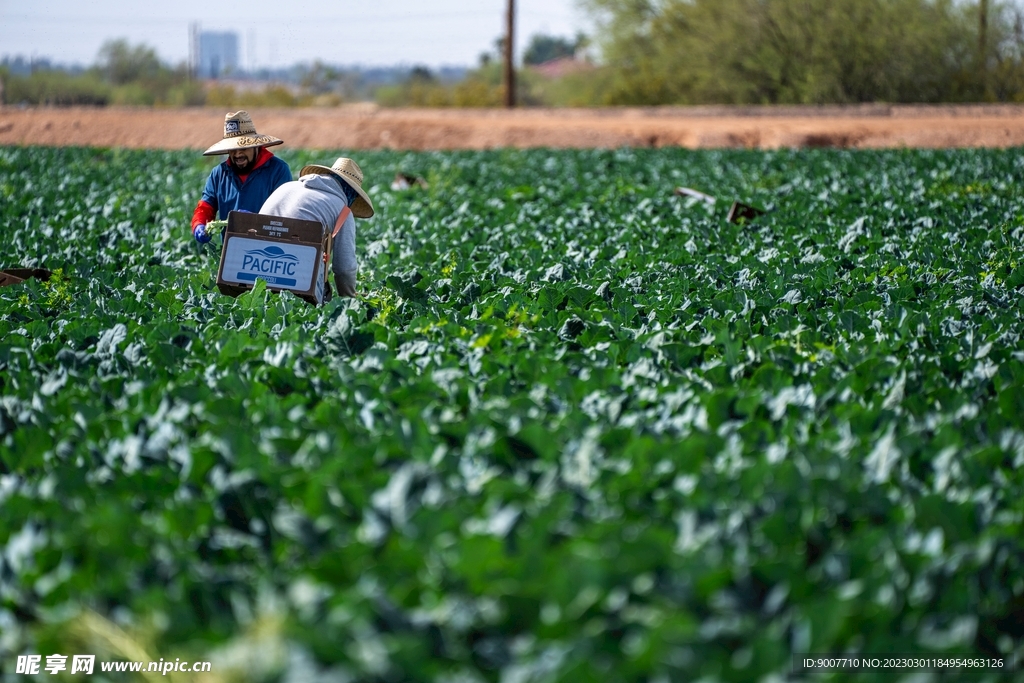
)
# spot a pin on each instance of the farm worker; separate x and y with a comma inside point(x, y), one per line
point(322, 194)
point(246, 178)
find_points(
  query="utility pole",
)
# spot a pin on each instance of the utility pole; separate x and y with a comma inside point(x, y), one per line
point(193, 50)
point(982, 26)
point(250, 45)
point(983, 45)
point(510, 70)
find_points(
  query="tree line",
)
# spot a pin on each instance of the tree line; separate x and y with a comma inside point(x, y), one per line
point(809, 51)
point(647, 52)
point(123, 74)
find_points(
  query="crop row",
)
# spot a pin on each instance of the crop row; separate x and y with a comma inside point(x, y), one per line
point(577, 427)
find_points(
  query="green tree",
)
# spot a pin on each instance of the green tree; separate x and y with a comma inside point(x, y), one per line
point(122, 63)
point(421, 75)
point(544, 48)
point(797, 51)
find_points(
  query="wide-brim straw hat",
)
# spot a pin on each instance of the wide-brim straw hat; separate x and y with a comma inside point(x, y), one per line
point(352, 175)
point(239, 133)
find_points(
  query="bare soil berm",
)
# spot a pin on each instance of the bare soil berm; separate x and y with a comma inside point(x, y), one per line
point(366, 126)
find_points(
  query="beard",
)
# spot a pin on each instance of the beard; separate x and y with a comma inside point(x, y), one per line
point(245, 165)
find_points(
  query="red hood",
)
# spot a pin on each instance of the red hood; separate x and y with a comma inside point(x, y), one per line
point(262, 157)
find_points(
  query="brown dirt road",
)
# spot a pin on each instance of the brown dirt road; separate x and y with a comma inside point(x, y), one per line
point(369, 127)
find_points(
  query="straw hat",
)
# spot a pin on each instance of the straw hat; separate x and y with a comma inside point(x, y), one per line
point(348, 171)
point(239, 133)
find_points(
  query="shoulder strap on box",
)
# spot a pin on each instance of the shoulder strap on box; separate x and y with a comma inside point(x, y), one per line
point(342, 217)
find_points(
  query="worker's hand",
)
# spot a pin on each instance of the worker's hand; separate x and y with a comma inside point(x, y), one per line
point(201, 235)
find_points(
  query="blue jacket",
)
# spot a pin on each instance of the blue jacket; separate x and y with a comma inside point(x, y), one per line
point(225, 192)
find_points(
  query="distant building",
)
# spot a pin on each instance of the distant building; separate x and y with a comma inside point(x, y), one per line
point(218, 54)
point(562, 66)
point(19, 66)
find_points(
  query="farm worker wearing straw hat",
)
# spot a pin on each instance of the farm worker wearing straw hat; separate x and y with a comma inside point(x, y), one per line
point(335, 198)
point(246, 178)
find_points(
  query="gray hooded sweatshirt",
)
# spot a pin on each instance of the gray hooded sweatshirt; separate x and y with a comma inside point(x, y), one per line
point(320, 198)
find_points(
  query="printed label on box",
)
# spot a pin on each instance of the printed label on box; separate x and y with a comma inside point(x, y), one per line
point(285, 266)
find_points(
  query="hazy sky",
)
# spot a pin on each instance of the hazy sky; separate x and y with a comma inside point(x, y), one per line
point(281, 33)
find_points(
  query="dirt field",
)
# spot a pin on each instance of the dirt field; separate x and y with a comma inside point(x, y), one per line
point(366, 126)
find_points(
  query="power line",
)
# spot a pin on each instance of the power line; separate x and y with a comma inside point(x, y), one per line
point(394, 20)
point(391, 19)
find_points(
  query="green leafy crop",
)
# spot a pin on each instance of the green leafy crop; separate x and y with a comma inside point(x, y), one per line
point(575, 428)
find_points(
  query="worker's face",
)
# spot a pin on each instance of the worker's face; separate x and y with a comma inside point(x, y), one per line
point(242, 159)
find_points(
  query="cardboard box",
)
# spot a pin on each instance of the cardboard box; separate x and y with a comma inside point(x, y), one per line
point(288, 253)
point(14, 276)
